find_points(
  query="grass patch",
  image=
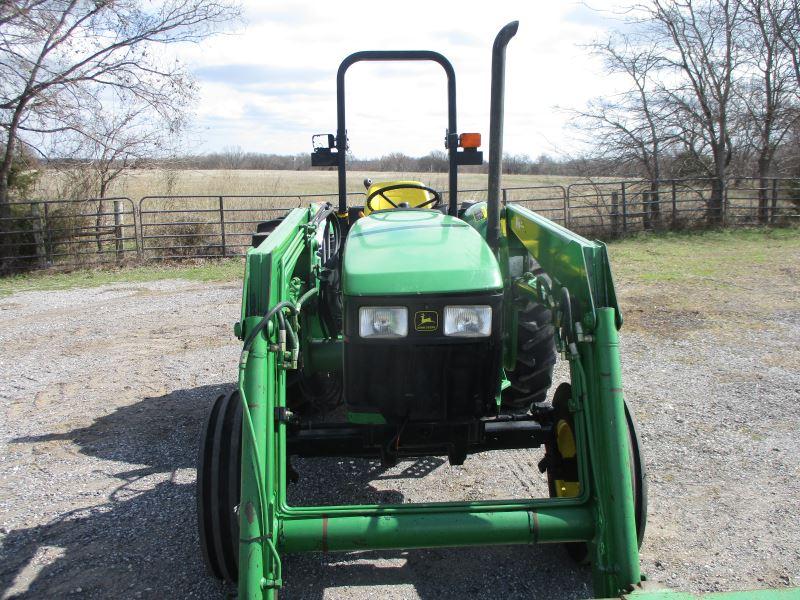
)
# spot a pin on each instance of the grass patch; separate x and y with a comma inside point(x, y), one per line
point(217, 270)
point(681, 283)
point(701, 255)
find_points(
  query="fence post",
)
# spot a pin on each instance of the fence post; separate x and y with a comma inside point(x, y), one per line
point(505, 197)
point(118, 222)
point(674, 205)
point(646, 223)
point(38, 237)
point(624, 209)
point(615, 212)
point(567, 207)
point(774, 200)
point(222, 226)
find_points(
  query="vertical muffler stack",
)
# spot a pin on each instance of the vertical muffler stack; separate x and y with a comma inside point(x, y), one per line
point(496, 131)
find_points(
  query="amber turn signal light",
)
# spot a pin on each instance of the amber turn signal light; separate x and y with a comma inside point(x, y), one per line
point(469, 140)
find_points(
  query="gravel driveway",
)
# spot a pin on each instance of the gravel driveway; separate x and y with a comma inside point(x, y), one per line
point(104, 391)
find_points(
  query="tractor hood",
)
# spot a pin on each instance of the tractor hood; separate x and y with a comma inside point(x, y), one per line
point(416, 252)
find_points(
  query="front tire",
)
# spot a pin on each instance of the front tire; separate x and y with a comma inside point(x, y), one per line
point(561, 462)
point(218, 484)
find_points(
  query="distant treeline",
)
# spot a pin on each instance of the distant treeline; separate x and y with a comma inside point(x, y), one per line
point(433, 162)
point(673, 166)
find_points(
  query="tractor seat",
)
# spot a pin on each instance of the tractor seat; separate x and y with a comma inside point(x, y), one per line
point(409, 196)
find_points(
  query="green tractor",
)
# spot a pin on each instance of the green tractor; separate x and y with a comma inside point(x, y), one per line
point(435, 325)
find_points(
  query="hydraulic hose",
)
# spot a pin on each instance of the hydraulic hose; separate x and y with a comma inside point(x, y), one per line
point(305, 297)
point(257, 462)
point(265, 321)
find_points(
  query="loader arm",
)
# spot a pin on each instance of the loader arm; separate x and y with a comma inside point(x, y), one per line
point(601, 515)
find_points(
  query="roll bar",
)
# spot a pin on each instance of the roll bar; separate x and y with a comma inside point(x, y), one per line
point(325, 157)
point(452, 129)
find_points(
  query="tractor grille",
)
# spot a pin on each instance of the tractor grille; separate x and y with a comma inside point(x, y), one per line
point(426, 376)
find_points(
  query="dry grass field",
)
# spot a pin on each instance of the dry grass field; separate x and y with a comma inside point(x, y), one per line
point(159, 182)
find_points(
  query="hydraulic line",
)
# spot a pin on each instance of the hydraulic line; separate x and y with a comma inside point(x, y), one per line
point(264, 322)
point(256, 456)
point(283, 326)
point(305, 297)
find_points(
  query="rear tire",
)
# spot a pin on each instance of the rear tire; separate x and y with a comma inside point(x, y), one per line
point(218, 483)
point(536, 357)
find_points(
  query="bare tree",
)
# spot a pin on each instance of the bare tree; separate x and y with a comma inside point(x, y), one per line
point(59, 56)
point(233, 157)
point(629, 128)
point(768, 87)
point(699, 38)
point(785, 16)
point(118, 136)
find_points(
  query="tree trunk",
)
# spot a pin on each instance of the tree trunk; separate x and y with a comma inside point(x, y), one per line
point(5, 175)
point(655, 203)
point(99, 221)
point(764, 164)
point(5, 209)
point(714, 206)
point(6, 250)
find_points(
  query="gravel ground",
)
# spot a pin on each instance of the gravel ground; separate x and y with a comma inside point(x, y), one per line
point(104, 390)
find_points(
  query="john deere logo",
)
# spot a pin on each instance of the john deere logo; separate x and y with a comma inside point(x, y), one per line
point(426, 320)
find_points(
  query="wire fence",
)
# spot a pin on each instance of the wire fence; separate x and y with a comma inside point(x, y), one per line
point(73, 233)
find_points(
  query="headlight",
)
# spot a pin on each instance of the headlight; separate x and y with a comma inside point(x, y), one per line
point(468, 321)
point(383, 321)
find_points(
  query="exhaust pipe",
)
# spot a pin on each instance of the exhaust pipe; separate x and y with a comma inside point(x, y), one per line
point(496, 132)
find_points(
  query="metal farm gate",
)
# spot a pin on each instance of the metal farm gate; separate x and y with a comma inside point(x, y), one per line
point(67, 233)
point(73, 233)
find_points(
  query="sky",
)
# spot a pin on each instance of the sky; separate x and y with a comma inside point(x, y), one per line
point(270, 84)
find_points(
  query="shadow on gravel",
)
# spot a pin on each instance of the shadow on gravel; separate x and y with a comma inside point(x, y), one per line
point(141, 540)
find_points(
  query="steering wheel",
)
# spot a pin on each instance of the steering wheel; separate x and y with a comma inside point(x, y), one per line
point(435, 202)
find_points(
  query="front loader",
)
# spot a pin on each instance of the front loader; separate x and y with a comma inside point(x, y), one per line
point(422, 326)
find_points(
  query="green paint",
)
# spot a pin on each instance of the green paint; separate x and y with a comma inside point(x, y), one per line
point(616, 555)
point(432, 529)
point(324, 355)
point(571, 260)
point(416, 252)
point(438, 251)
point(251, 522)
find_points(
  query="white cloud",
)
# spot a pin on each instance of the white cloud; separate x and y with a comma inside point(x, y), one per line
point(270, 86)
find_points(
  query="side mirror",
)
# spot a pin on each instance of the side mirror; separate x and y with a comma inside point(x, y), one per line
point(323, 154)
